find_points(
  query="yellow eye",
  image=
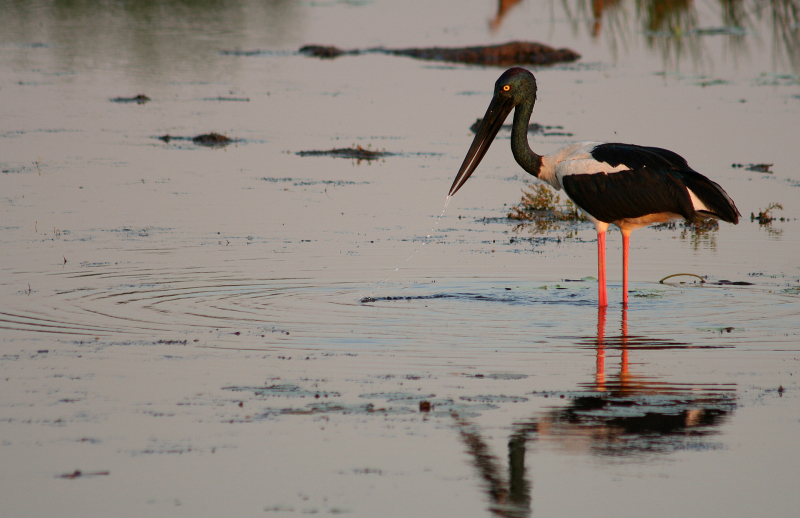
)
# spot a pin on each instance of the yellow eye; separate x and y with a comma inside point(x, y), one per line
point(506, 88)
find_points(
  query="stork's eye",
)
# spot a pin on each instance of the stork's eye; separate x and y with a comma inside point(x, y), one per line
point(506, 88)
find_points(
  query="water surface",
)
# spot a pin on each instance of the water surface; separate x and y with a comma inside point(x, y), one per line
point(242, 330)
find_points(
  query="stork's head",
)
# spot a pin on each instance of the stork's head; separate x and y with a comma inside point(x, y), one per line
point(514, 86)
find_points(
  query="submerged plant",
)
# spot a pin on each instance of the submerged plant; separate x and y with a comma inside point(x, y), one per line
point(765, 216)
point(765, 219)
point(540, 202)
point(541, 211)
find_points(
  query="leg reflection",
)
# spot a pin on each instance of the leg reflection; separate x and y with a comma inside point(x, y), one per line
point(519, 489)
point(600, 376)
point(511, 498)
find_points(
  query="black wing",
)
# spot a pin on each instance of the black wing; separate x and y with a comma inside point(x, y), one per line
point(629, 194)
point(637, 157)
point(656, 182)
point(713, 196)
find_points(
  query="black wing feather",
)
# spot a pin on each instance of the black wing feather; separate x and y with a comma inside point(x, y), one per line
point(657, 181)
point(637, 157)
point(714, 197)
point(628, 194)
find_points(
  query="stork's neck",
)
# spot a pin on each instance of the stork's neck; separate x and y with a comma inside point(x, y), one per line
point(530, 161)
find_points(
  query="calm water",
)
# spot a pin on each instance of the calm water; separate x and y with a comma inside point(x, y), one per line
point(182, 329)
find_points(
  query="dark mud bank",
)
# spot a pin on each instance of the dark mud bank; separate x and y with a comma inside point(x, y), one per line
point(507, 54)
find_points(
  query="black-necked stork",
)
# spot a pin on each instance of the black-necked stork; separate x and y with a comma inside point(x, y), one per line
point(627, 185)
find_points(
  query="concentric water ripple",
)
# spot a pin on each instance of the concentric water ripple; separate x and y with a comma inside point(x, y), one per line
point(198, 303)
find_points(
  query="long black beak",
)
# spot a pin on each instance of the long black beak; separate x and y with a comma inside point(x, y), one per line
point(498, 110)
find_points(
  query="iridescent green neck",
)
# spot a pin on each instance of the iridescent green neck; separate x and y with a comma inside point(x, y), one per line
point(525, 157)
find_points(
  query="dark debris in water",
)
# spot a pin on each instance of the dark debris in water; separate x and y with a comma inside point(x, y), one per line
point(499, 376)
point(504, 296)
point(212, 139)
point(513, 53)
point(20, 169)
point(81, 474)
point(283, 390)
point(358, 153)
point(506, 54)
point(326, 51)
point(533, 128)
point(758, 168)
point(297, 182)
point(392, 397)
point(139, 99)
point(368, 299)
point(438, 407)
point(494, 399)
point(234, 99)
point(338, 408)
point(245, 53)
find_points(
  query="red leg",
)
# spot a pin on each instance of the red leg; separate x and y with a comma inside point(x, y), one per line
point(601, 269)
point(625, 242)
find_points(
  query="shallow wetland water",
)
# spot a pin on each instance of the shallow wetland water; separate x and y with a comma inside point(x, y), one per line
point(249, 329)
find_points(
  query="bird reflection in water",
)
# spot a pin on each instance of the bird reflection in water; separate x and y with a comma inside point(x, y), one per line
point(620, 415)
point(629, 414)
point(512, 497)
point(503, 7)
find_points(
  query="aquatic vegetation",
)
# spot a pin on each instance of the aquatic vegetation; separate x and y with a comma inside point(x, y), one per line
point(540, 202)
point(212, 139)
point(541, 211)
point(138, 99)
point(765, 219)
point(765, 216)
point(356, 152)
point(758, 168)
